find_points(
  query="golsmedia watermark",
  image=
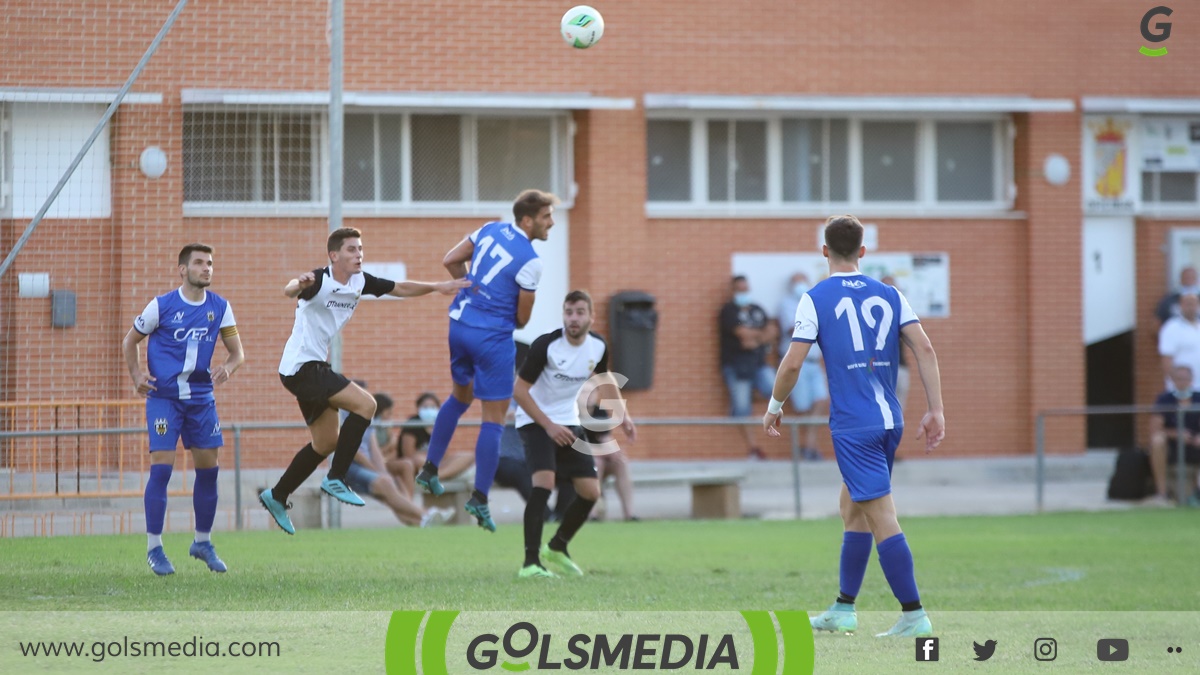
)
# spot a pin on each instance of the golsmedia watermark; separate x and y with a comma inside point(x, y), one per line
point(615, 407)
point(442, 642)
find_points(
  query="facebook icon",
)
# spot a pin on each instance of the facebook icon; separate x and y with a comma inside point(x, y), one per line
point(927, 649)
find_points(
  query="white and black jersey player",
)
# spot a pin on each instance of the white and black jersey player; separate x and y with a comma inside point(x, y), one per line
point(326, 299)
point(548, 389)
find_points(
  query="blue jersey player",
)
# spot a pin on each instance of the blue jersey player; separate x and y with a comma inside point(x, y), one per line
point(183, 327)
point(504, 273)
point(858, 323)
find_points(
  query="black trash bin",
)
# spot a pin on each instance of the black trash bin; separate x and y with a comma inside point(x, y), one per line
point(633, 323)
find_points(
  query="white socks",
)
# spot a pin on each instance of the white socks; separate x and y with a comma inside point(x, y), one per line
point(153, 541)
point(203, 536)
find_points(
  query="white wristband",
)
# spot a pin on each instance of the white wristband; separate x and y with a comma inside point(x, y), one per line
point(775, 407)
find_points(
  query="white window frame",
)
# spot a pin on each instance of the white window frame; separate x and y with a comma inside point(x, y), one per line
point(562, 131)
point(6, 188)
point(925, 205)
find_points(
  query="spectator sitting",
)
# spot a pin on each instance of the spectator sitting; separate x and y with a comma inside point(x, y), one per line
point(1179, 339)
point(414, 441)
point(746, 336)
point(369, 475)
point(811, 394)
point(1164, 432)
point(1169, 305)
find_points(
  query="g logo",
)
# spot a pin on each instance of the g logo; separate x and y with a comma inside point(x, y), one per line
point(1163, 28)
point(615, 408)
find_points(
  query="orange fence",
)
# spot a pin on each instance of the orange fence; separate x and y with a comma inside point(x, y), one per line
point(94, 465)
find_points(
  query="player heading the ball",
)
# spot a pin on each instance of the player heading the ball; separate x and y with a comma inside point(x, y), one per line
point(504, 271)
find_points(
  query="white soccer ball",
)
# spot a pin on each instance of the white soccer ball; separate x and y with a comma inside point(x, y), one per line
point(582, 26)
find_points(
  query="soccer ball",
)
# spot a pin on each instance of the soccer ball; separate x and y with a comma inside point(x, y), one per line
point(582, 26)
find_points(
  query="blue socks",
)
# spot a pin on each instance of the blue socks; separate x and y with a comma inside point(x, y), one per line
point(443, 431)
point(856, 553)
point(487, 455)
point(204, 498)
point(896, 560)
point(155, 499)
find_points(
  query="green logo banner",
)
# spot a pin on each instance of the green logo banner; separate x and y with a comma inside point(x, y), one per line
point(449, 642)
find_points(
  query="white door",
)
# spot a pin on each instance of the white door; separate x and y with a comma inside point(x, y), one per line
point(554, 286)
point(1109, 278)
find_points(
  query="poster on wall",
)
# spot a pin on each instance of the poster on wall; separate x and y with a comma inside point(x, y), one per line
point(924, 278)
point(1111, 183)
point(1170, 144)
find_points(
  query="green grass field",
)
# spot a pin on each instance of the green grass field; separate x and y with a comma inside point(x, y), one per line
point(1018, 569)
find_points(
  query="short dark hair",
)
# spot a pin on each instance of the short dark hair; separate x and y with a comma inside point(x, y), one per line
point(736, 279)
point(340, 235)
point(844, 236)
point(383, 403)
point(530, 202)
point(427, 395)
point(579, 295)
point(185, 254)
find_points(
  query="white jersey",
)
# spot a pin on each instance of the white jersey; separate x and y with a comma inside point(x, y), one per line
point(558, 370)
point(321, 311)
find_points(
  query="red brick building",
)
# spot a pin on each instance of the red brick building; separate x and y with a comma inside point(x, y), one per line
point(692, 133)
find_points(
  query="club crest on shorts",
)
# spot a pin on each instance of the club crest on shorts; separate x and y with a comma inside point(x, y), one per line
point(211, 316)
point(160, 426)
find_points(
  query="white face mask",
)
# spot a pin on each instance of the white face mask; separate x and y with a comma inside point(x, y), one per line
point(1183, 395)
point(428, 415)
point(799, 288)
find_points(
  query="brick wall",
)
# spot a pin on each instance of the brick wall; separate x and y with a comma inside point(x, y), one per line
point(1011, 346)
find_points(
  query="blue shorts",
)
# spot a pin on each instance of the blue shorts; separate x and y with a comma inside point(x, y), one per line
point(486, 357)
point(196, 421)
point(865, 459)
point(359, 478)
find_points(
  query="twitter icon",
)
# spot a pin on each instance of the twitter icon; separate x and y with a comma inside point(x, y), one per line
point(984, 651)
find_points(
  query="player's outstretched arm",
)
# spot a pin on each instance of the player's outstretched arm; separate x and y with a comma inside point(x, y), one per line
point(456, 259)
point(297, 285)
point(411, 289)
point(933, 424)
point(785, 382)
point(142, 381)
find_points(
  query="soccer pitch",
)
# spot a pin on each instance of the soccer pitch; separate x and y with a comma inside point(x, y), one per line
point(1002, 578)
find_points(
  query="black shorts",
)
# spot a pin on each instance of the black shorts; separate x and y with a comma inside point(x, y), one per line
point(313, 385)
point(543, 454)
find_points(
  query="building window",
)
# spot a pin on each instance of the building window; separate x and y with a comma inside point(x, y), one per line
point(966, 161)
point(889, 160)
point(763, 164)
point(669, 160)
point(1170, 162)
point(251, 157)
point(815, 164)
point(1170, 187)
point(389, 158)
point(737, 161)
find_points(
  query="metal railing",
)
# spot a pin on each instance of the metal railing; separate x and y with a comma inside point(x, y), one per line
point(1181, 487)
point(237, 429)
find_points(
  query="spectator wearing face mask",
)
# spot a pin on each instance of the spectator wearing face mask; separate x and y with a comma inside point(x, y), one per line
point(811, 395)
point(1169, 305)
point(747, 334)
point(1164, 432)
point(414, 441)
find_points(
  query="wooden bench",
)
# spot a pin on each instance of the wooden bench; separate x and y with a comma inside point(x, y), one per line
point(716, 494)
point(458, 491)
